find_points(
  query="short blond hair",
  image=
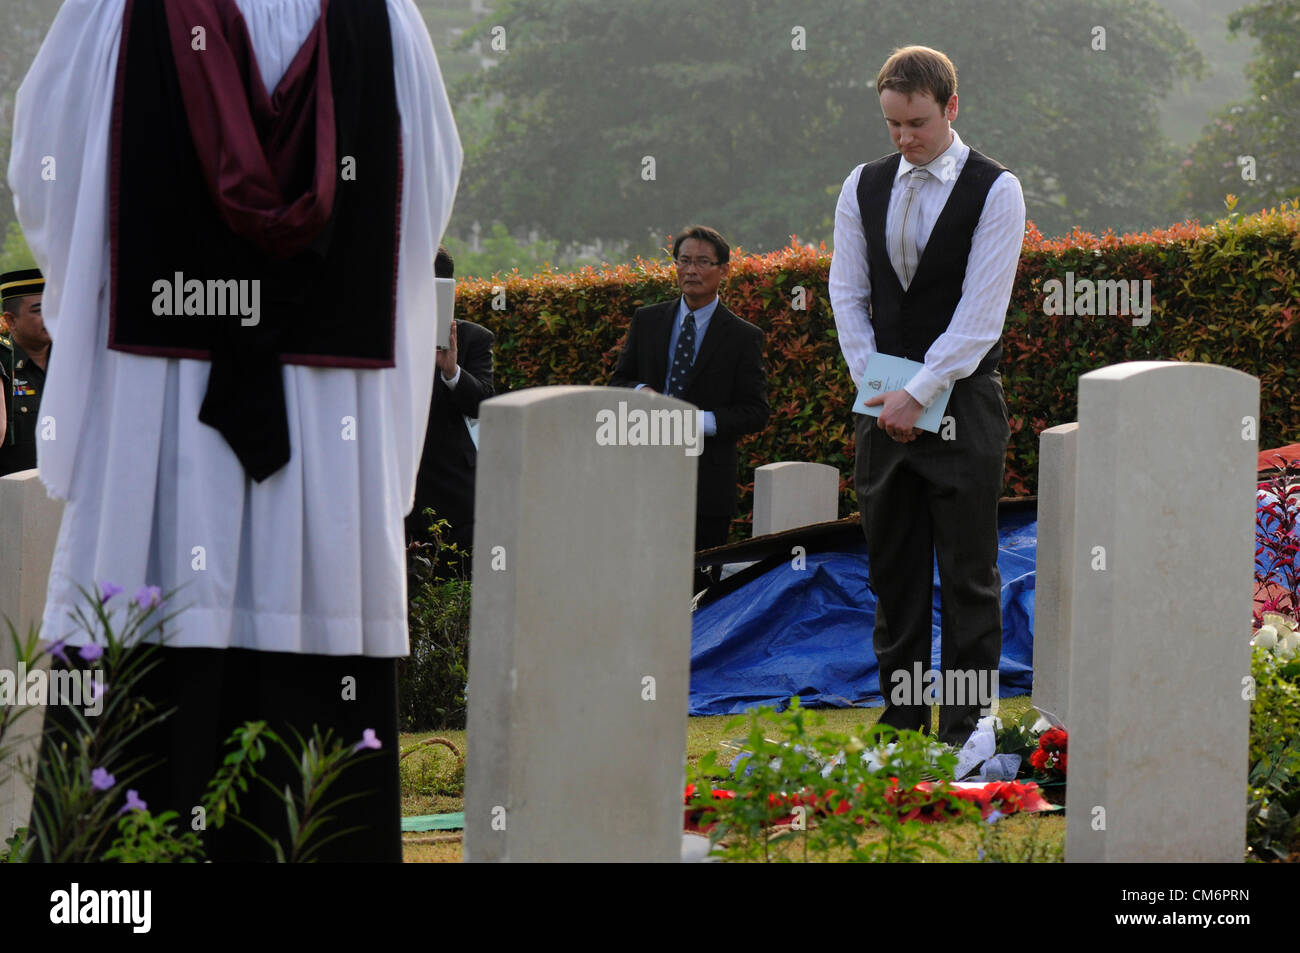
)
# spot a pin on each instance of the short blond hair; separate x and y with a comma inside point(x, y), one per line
point(912, 69)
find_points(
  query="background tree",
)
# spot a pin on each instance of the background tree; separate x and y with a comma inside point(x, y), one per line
point(14, 253)
point(1249, 150)
point(753, 112)
point(25, 24)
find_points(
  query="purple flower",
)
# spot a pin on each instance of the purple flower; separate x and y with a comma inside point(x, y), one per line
point(107, 590)
point(148, 596)
point(133, 802)
point(57, 648)
point(101, 780)
point(994, 816)
point(90, 651)
point(97, 687)
point(368, 740)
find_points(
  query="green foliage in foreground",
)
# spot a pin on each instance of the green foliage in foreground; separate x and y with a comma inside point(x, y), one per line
point(1273, 810)
point(85, 810)
point(837, 785)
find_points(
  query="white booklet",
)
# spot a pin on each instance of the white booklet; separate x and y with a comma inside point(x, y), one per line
point(444, 297)
point(885, 373)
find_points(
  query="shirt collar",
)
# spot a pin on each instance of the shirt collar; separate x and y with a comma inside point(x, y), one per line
point(701, 314)
point(955, 150)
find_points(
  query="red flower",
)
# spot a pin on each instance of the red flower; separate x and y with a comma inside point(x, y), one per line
point(1050, 756)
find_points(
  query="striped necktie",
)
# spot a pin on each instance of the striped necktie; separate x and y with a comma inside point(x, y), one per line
point(903, 253)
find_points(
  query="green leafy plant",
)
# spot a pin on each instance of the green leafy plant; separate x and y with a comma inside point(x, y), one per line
point(321, 760)
point(1273, 800)
point(1223, 293)
point(143, 837)
point(431, 681)
point(1019, 738)
point(863, 796)
point(9, 854)
point(78, 787)
point(433, 777)
point(85, 811)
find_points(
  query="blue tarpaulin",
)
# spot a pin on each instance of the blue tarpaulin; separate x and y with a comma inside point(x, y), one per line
point(807, 631)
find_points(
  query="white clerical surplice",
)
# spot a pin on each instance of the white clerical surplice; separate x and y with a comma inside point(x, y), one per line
point(310, 560)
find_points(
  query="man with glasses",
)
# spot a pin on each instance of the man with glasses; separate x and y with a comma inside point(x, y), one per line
point(693, 348)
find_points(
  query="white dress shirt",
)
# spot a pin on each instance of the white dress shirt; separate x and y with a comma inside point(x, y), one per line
point(708, 422)
point(977, 321)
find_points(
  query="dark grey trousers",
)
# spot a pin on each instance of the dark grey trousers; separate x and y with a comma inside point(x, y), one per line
point(936, 497)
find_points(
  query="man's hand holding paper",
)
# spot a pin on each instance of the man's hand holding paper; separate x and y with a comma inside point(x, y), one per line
point(883, 395)
point(898, 415)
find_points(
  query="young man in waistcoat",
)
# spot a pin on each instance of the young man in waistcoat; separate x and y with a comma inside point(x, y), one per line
point(927, 240)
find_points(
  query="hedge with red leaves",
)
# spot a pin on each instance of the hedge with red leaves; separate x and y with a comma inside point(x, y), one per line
point(1227, 294)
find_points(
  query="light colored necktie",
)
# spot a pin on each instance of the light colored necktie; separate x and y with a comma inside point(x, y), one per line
point(903, 253)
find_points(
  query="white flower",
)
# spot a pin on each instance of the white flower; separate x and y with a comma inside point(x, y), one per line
point(834, 763)
point(1266, 637)
point(875, 758)
point(1279, 633)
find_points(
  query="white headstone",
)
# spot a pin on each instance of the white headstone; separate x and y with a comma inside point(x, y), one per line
point(1163, 573)
point(29, 527)
point(1057, 461)
point(788, 495)
point(580, 628)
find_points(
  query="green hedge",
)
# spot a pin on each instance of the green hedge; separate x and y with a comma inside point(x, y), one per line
point(1227, 294)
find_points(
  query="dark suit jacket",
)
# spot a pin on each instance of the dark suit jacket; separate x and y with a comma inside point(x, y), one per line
point(728, 378)
point(447, 464)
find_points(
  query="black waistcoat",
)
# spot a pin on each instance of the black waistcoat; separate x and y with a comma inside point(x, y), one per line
point(907, 322)
point(333, 304)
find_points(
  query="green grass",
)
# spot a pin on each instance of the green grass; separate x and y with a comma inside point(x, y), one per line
point(434, 783)
point(707, 734)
